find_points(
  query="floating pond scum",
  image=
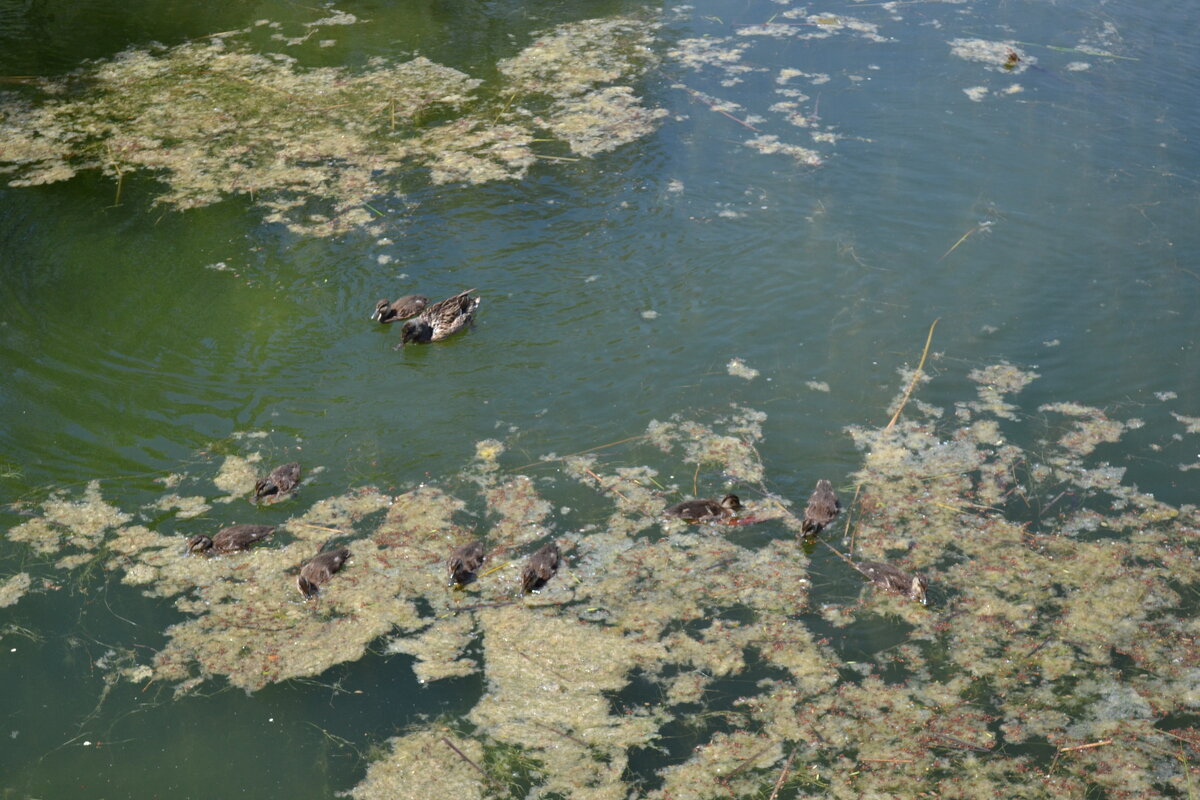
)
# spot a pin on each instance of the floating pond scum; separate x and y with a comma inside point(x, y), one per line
point(1057, 656)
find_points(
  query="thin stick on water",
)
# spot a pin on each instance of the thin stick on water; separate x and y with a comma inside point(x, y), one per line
point(612, 489)
point(322, 528)
point(961, 239)
point(1100, 743)
point(581, 452)
point(787, 766)
point(837, 552)
point(463, 756)
point(916, 377)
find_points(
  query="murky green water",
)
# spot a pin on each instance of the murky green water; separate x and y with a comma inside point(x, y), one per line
point(769, 216)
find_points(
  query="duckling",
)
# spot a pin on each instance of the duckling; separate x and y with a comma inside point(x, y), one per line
point(823, 506)
point(540, 568)
point(277, 485)
point(404, 308)
point(463, 563)
point(231, 539)
point(894, 580)
point(440, 320)
point(320, 570)
point(706, 510)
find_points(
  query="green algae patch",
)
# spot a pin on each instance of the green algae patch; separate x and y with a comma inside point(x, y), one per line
point(312, 147)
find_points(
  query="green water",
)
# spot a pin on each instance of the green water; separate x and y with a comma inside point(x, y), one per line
point(1054, 227)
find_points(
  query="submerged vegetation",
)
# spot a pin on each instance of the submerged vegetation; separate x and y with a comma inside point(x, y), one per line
point(1057, 656)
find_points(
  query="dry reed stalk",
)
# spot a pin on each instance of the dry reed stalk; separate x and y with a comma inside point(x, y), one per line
point(916, 377)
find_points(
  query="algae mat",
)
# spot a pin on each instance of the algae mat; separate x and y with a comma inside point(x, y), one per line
point(1057, 656)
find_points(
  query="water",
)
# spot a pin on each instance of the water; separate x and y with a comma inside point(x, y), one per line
point(1051, 227)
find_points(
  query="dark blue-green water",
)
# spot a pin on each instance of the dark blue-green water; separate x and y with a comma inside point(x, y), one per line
point(1074, 200)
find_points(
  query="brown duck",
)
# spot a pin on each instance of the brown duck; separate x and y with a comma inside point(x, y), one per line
point(320, 570)
point(894, 580)
point(404, 308)
point(540, 568)
point(463, 563)
point(822, 507)
point(706, 510)
point(276, 486)
point(231, 539)
point(440, 320)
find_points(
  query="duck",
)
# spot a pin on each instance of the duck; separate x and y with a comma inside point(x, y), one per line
point(320, 570)
point(276, 486)
point(463, 562)
point(540, 568)
point(706, 510)
point(823, 506)
point(440, 320)
point(403, 308)
point(894, 580)
point(231, 539)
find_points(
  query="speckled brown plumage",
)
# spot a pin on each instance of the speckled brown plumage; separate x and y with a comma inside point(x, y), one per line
point(822, 507)
point(440, 320)
point(464, 561)
point(231, 539)
point(276, 486)
point(403, 308)
point(319, 571)
point(894, 580)
point(704, 510)
point(540, 568)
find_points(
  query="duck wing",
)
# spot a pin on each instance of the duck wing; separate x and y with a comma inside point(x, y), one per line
point(451, 315)
point(240, 537)
point(823, 506)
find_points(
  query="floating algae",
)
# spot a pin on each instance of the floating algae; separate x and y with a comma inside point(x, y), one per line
point(1056, 659)
point(313, 146)
point(14, 588)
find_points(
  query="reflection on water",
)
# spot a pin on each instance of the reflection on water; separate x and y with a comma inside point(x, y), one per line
point(705, 210)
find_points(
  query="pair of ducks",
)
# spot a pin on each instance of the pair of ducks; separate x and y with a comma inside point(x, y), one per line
point(428, 323)
point(312, 575)
point(822, 507)
point(466, 560)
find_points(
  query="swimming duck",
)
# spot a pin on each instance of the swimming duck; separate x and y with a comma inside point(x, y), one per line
point(404, 308)
point(320, 570)
point(463, 562)
point(277, 485)
point(894, 580)
point(440, 320)
point(540, 568)
point(706, 510)
point(823, 506)
point(231, 539)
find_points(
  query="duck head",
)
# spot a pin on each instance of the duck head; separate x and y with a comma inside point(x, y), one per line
point(732, 502)
point(380, 309)
point(416, 330)
point(198, 544)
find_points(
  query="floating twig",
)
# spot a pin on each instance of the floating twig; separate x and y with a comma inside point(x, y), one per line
point(720, 111)
point(1089, 746)
point(463, 756)
point(613, 489)
point(787, 766)
point(580, 453)
point(321, 528)
point(560, 733)
point(916, 377)
point(961, 239)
